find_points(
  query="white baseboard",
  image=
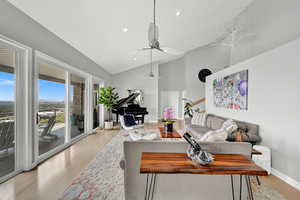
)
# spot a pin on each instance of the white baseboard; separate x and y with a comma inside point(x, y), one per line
point(286, 178)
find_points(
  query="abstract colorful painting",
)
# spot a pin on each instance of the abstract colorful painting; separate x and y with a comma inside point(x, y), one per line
point(232, 91)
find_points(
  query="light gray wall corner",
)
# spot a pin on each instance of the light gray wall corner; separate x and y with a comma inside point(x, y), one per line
point(20, 27)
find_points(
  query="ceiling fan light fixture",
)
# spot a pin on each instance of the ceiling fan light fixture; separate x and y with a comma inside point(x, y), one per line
point(178, 13)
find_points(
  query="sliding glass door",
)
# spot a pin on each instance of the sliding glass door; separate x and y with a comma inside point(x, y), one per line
point(60, 105)
point(97, 109)
point(51, 107)
point(7, 110)
point(77, 105)
point(95, 105)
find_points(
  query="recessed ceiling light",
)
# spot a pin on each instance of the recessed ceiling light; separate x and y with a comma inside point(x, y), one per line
point(134, 58)
point(178, 13)
point(125, 30)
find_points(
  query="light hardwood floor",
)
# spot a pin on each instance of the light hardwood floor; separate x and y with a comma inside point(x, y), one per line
point(52, 177)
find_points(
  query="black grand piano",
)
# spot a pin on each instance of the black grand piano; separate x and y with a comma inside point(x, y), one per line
point(127, 106)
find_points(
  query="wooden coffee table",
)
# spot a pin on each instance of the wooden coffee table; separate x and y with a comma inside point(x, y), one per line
point(173, 134)
point(178, 163)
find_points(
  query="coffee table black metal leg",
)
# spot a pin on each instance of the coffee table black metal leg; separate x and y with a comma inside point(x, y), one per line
point(250, 194)
point(146, 191)
point(241, 186)
point(150, 186)
point(232, 186)
point(257, 179)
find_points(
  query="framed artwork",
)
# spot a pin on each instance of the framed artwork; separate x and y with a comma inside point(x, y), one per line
point(232, 91)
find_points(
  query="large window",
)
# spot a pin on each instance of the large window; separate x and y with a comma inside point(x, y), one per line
point(7, 111)
point(51, 112)
point(97, 109)
point(44, 106)
point(95, 105)
point(77, 105)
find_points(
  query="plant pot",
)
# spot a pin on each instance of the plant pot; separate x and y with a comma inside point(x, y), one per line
point(169, 127)
point(109, 125)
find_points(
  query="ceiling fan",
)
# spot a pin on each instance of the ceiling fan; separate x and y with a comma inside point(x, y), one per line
point(153, 34)
point(153, 41)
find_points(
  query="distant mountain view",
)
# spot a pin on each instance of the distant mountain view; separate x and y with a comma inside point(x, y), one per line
point(50, 101)
point(7, 107)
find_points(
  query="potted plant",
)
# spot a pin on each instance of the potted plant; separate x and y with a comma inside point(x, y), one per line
point(108, 98)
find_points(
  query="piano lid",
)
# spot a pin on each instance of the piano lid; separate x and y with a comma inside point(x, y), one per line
point(123, 101)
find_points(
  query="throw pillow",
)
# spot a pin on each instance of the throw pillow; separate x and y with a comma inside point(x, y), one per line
point(199, 119)
point(221, 134)
point(142, 134)
point(129, 120)
point(229, 126)
point(214, 136)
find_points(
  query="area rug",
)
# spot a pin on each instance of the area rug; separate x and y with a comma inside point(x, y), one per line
point(103, 179)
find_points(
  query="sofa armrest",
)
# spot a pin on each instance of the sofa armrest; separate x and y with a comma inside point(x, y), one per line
point(187, 121)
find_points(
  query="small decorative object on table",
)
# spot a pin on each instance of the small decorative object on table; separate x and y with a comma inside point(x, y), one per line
point(168, 125)
point(195, 153)
point(168, 120)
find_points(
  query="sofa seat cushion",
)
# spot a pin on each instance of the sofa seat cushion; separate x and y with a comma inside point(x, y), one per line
point(197, 131)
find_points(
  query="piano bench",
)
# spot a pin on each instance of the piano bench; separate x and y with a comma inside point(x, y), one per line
point(139, 119)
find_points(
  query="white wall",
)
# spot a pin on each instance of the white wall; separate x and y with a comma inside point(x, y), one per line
point(171, 84)
point(214, 58)
point(274, 96)
point(138, 78)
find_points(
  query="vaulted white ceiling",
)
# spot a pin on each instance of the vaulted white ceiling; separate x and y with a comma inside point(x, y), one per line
point(95, 27)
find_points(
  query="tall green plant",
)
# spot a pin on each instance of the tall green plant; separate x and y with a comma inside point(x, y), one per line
point(108, 97)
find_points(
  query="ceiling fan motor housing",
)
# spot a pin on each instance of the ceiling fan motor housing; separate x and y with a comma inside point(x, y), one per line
point(154, 44)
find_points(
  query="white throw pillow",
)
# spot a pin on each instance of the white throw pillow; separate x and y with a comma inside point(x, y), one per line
point(221, 134)
point(229, 126)
point(142, 134)
point(214, 136)
point(198, 119)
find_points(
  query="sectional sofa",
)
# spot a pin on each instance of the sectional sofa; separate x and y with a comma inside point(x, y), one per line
point(214, 122)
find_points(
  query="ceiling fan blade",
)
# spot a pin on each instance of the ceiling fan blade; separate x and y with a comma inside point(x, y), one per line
point(171, 51)
point(143, 49)
point(152, 33)
point(146, 49)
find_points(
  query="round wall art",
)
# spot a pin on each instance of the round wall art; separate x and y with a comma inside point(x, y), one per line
point(203, 74)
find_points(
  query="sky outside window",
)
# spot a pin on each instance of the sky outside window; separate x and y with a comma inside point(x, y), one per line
point(7, 85)
point(51, 91)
